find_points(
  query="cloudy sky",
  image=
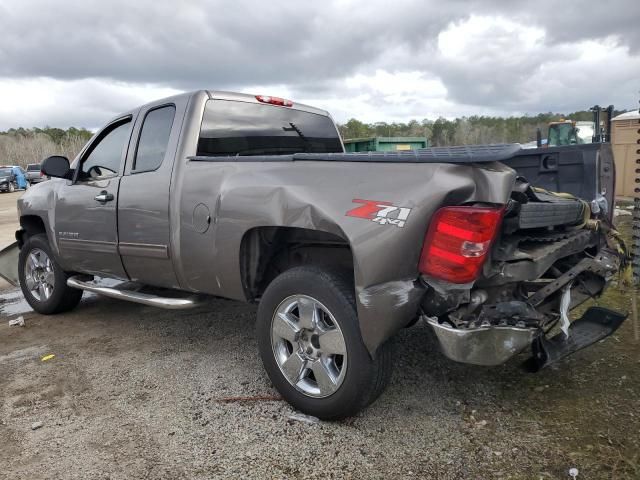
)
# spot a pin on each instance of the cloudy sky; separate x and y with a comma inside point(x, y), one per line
point(78, 63)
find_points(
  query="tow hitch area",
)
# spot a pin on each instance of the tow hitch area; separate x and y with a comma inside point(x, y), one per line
point(596, 323)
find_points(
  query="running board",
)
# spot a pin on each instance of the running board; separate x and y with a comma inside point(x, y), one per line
point(596, 323)
point(131, 296)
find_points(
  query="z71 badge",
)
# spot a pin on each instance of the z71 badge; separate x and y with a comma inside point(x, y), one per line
point(383, 213)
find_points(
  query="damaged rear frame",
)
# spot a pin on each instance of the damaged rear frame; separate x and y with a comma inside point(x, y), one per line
point(517, 302)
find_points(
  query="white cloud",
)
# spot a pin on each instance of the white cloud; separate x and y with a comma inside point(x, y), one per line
point(600, 72)
point(484, 38)
point(369, 60)
point(510, 65)
point(82, 103)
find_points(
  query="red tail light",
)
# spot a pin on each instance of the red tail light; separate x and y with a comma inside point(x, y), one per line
point(458, 241)
point(274, 100)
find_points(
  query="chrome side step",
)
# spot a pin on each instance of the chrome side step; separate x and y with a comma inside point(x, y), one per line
point(131, 296)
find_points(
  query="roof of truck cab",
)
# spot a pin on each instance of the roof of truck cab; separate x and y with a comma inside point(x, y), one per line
point(231, 96)
point(220, 95)
point(251, 98)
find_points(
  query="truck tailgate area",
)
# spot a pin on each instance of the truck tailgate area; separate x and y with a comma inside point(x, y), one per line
point(550, 212)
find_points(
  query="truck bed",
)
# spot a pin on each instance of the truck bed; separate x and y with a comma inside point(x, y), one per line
point(585, 171)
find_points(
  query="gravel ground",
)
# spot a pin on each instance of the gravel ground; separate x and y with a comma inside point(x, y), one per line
point(136, 392)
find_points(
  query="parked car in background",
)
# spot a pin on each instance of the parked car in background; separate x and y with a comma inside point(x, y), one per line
point(13, 178)
point(7, 180)
point(34, 173)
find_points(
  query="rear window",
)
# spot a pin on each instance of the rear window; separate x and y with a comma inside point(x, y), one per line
point(34, 167)
point(241, 128)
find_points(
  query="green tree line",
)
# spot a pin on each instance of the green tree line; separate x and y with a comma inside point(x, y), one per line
point(22, 146)
point(475, 129)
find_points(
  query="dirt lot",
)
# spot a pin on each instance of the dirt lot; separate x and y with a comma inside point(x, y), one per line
point(135, 392)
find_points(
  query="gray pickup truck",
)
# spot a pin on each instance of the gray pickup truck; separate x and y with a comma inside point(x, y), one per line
point(252, 198)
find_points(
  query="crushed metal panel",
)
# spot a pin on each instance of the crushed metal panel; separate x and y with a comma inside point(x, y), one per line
point(386, 308)
point(490, 345)
point(9, 264)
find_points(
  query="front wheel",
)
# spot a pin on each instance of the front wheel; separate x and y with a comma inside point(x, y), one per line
point(12, 187)
point(311, 346)
point(42, 280)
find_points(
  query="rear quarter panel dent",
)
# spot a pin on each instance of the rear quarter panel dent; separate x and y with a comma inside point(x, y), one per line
point(317, 195)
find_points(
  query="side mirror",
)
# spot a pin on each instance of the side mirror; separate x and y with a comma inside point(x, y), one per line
point(56, 166)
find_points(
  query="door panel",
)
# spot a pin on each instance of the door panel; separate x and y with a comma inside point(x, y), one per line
point(87, 230)
point(86, 210)
point(143, 206)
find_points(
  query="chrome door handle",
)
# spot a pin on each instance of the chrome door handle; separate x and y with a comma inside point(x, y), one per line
point(104, 197)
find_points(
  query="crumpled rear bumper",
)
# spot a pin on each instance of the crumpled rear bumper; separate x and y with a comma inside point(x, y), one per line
point(490, 345)
point(504, 329)
point(494, 345)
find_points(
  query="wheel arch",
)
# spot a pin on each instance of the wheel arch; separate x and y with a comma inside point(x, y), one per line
point(268, 251)
point(30, 225)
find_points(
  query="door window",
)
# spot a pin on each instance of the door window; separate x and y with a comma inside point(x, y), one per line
point(103, 159)
point(154, 139)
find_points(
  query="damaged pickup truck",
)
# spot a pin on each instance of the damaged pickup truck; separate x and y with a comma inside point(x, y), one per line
point(253, 198)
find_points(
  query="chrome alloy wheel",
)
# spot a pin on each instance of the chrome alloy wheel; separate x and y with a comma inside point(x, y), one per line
point(308, 346)
point(39, 276)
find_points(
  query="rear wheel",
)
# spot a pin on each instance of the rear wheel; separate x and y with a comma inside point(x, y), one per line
point(42, 280)
point(311, 346)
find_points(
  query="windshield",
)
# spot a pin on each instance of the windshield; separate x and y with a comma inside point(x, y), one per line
point(5, 172)
point(243, 128)
point(563, 134)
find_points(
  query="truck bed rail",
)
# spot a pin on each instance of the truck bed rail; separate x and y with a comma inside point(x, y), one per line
point(458, 154)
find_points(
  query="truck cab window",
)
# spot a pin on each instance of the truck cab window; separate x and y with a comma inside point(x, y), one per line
point(154, 138)
point(243, 128)
point(103, 159)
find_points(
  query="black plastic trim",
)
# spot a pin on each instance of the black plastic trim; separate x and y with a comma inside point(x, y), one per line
point(460, 154)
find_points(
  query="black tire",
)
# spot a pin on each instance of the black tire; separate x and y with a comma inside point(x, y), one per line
point(62, 297)
point(365, 378)
point(11, 187)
